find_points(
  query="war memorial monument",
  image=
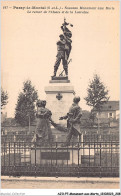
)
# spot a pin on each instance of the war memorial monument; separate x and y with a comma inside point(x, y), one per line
point(60, 96)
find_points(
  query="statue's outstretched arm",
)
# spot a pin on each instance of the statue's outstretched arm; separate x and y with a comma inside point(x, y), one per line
point(63, 117)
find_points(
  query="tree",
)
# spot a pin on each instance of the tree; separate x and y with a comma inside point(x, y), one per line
point(4, 98)
point(25, 107)
point(97, 94)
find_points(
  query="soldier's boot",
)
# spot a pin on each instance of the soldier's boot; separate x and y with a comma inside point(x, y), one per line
point(55, 70)
point(54, 74)
point(66, 71)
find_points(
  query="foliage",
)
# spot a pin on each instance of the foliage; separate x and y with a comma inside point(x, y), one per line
point(4, 98)
point(97, 94)
point(25, 107)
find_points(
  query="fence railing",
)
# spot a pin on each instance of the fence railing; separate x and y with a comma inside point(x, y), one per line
point(88, 158)
point(86, 137)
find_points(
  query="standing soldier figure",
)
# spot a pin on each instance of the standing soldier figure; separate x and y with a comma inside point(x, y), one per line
point(73, 120)
point(61, 55)
point(64, 48)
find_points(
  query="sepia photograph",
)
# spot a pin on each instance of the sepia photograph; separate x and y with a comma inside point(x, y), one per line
point(60, 93)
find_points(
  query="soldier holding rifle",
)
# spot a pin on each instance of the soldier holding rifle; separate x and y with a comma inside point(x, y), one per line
point(63, 49)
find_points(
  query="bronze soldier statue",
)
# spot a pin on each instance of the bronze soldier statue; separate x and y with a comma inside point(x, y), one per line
point(63, 49)
point(61, 55)
point(73, 120)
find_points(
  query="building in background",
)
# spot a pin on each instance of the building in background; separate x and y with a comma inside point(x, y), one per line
point(109, 113)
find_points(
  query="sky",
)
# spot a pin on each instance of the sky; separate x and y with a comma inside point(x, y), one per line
point(28, 47)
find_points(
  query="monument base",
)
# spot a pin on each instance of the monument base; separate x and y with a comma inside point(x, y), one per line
point(53, 156)
point(59, 78)
point(59, 97)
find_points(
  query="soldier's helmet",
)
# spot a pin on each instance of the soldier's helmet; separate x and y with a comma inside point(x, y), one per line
point(76, 99)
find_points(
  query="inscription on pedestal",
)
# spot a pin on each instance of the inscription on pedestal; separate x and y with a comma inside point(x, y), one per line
point(61, 156)
point(55, 155)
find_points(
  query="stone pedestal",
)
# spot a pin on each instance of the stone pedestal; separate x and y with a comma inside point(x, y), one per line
point(60, 156)
point(59, 97)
